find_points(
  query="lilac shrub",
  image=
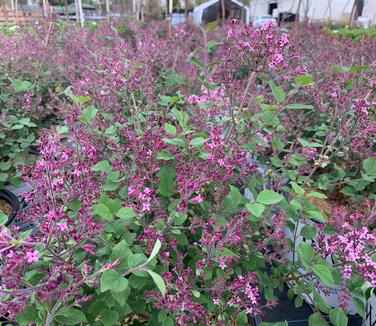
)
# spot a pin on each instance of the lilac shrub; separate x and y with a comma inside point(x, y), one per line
point(150, 198)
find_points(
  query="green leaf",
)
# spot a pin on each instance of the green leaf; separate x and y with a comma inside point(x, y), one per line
point(4, 97)
point(259, 99)
point(74, 205)
point(165, 156)
point(3, 176)
point(156, 248)
point(268, 107)
point(211, 26)
point(198, 141)
point(126, 214)
point(359, 306)
point(120, 250)
point(103, 211)
point(256, 209)
point(26, 234)
point(269, 197)
point(62, 129)
point(109, 317)
point(88, 114)
point(360, 68)
point(182, 117)
point(165, 100)
point(308, 232)
point(81, 99)
point(337, 317)
point(316, 215)
point(369, 165)
point(174, 141)
point(168, 321)
point(197, 62)
point(297, 106)
point(324, 274)
point(232, 200)
point(306, 253)
point(158, 281)
point(102, 166)
point(3, 218)
point(121, 298)
point(316, 320)
point(136, 260)
point(4, 166)
point(320, 302)
point(196, 293)
point(214, 63)
point(212, 43)
point(298, 302)
point(179, 218)
point(227, 252)
point(70, 316)
point(303, 80)
point(242, 319)
point(113, 281)
point(278, 92)
point(166, 180)
point(316, 194)
point(21, 86)
point(306, 143)
point(17, 127)
point(338, 68)
point(170, 129)
point(28, 316)
point(299, 190)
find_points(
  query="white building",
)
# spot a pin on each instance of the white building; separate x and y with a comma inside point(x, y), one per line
point(313, 9)
point(212, 10)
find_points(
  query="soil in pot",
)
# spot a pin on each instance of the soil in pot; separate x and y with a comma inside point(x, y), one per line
point(5, 207)
point(334, 199)
point(9, 205)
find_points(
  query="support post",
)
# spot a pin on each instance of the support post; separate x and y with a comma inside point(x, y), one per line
point(81, 13)
point(223, 11)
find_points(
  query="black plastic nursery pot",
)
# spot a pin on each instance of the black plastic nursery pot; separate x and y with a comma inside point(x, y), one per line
point(11, 204)
point(33, 150)
point(18, 205)
point(286, 311)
